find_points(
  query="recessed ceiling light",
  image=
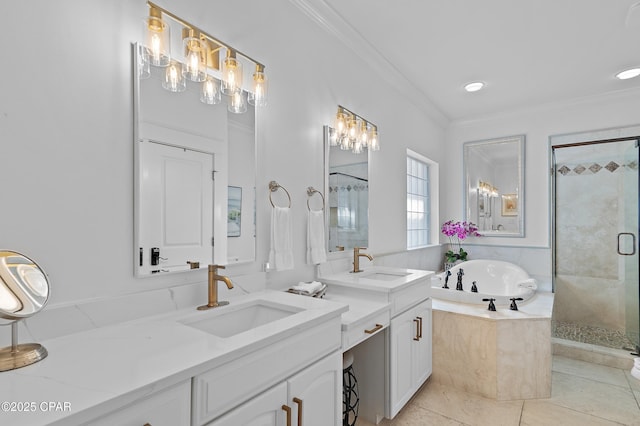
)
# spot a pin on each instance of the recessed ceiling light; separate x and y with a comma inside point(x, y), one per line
point(627, 74)
point(474, 86)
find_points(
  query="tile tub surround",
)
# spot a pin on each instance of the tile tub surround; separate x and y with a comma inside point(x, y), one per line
point(505, 355)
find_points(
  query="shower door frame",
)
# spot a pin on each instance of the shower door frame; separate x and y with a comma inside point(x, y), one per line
point(609, 135)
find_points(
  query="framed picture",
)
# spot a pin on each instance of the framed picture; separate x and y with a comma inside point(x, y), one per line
point(510, 205)
point(234, 211)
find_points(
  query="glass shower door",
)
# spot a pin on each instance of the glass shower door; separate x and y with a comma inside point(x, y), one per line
point(595, 236)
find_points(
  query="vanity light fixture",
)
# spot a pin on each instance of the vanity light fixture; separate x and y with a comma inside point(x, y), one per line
point(627, 74)
point(352, 132)
point(200, 62)
point(474, 86)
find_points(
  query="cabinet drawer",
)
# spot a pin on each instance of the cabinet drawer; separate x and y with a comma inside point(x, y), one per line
point(364, 329)
point(410, 296)
point(170, 407)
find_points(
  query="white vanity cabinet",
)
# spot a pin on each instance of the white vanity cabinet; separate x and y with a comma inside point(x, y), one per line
point(409, 355)
point(407, 343)
point(169, 407)
point(312, 397)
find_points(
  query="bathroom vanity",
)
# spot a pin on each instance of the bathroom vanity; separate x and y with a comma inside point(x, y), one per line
point(269, 356)
point(392, 366)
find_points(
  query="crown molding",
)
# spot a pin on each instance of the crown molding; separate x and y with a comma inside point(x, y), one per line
point(633, 93)
point(334, 24)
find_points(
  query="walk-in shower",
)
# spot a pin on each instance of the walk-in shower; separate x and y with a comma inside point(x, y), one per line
point(595, 239)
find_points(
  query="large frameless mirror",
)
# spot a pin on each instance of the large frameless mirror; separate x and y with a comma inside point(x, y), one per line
point(194, 178)
point(347, 189)
point(24, 291)
point(494, 185)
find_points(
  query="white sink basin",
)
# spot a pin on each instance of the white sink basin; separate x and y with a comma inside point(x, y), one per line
point(385, 276)
point(231, 320)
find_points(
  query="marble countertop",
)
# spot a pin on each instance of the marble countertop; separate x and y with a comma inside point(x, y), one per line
point(94, 372)
point(377, 278)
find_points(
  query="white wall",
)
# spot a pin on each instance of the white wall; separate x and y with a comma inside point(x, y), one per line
point(538, 124)
point(66, 133)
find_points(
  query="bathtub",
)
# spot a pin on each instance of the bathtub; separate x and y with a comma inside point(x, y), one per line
point(494, 279)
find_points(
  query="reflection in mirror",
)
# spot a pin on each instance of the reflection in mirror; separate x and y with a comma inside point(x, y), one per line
point(494, 186)
point(24, 291)
point(187, 154)
point(347, 189)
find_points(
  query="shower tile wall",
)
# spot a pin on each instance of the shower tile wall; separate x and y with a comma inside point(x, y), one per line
point(590, 288)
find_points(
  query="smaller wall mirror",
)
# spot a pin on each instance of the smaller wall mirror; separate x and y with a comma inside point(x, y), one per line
point(494, 185)
point(347, 191)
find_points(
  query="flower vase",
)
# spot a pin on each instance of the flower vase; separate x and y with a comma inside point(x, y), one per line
point(449, 265)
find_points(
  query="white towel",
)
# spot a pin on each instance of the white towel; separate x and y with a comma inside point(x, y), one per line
point(308, 288)
point(316, 249)
point(281, 253)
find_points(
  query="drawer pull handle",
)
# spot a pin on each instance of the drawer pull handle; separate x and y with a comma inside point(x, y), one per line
point(417, 321)
point(287, 410)
point(299, 402)
point(420, 327)
point(374, 329)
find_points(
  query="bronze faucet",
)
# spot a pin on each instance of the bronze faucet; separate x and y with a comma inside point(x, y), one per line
point(356, 258)
point(213, 288)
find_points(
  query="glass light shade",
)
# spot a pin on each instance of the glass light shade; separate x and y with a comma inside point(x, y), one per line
point(237, 103)
point(173, 78)
point(260, 86)
point(144, 66)
point(340, 123)
point(231, 75)
point(363, 137)
point(210, 94)
point(374, 142)
point(474, 86)
point(352, 127)
point(357, 147)
point(195, 67)
point(157, 39)
point(333, 137)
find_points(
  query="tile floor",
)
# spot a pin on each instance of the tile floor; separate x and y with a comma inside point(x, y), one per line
point(582, 394)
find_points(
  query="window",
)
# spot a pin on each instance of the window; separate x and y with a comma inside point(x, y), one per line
point(421, 190)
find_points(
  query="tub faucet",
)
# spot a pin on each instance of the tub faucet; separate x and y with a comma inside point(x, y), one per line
point(459, 283)
point(474, 288)
point(446, 279)
point(513, 306)
point(356, 258)
point(491, 307)
point(213, 288)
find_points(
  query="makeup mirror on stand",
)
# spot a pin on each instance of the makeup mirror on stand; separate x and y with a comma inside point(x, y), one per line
point(24, 291)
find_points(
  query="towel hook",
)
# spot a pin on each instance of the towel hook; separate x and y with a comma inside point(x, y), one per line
point(273, 187)
point(310, 191)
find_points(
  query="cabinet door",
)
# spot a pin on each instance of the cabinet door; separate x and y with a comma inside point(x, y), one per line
point(263, 410)
point(171, 407)
point(315, 394)
point(422, 348)
point(404, 329)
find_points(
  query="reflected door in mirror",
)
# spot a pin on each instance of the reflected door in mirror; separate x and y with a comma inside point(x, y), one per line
point(176, 205)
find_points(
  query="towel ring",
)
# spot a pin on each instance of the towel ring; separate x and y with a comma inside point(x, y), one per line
point(310, 191)
point(273, 187)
